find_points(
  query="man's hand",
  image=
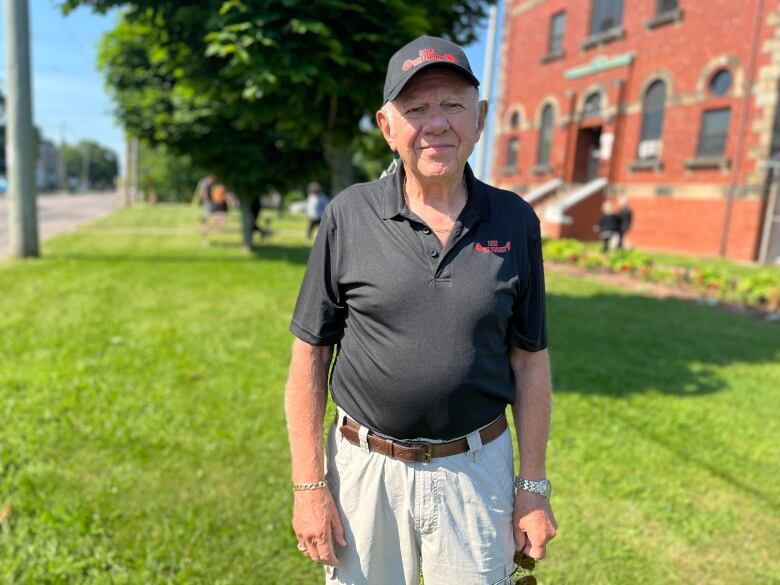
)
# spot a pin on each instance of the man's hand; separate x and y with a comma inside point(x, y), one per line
point(534, 524)
point(317, 525)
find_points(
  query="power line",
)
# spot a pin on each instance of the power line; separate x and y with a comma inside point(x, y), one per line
point(77, 42)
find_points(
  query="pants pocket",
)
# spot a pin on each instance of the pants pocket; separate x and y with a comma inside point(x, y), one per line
point(498, 457)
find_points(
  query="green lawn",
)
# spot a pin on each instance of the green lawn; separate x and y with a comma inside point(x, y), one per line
point(142, 436)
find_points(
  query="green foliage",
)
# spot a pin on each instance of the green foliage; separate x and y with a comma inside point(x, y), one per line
point(729, 283)
point(102, 162)
point(143, 437)
point(170, 176)
point(262, 94)
point(762, 289)
point(371, 154)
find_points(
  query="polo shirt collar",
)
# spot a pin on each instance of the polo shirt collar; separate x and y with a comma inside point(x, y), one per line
point(392, 195)
point(478, 204)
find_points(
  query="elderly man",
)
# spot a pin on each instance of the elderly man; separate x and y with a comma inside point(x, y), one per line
point(429, 283)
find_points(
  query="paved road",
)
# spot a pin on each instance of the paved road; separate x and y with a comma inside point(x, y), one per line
point(59, 213)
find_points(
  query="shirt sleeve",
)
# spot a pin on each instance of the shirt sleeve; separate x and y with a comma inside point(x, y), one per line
point(319, 313)
point(528, 326)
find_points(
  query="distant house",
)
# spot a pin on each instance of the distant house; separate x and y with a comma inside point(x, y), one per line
point(670, 103)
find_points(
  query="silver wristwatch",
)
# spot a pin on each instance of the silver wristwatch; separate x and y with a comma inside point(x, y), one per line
point(542, 487)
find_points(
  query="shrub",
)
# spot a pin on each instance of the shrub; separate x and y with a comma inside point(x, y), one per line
point(761, 290)
point(563, 250)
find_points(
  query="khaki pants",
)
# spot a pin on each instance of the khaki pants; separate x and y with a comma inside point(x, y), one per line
point(450, 519)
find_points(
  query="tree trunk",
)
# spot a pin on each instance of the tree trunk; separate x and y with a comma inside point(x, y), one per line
point(338, 156)
point(247, 225)
point(339, 159)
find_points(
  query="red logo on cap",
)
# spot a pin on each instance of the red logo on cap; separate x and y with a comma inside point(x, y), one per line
point(428, 55)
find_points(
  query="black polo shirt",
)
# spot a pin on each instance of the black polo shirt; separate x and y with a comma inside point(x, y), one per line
point(423, 330)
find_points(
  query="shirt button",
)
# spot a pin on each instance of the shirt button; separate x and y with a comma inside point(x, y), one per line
point(426, 230)
point(434, 253)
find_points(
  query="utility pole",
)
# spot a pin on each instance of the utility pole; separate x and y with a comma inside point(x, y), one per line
point(62, 179)
point(20, 152)
point(126, 175)
point(482, 145)
point(131, 152)
point(136, 170)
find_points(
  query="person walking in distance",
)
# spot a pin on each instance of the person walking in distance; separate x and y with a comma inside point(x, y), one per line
point(625, 216)
point(608, 226)
point(316, 201)
point(422, 310)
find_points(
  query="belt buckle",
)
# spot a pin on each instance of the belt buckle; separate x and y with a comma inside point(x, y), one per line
point(428, 454)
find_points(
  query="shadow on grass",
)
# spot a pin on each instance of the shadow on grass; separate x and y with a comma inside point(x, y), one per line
point(617, 344)
point(275, 253)
point(296, 254)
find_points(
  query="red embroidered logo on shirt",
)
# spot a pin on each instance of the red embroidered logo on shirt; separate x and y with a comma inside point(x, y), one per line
point(428, 55)
point(493, 247)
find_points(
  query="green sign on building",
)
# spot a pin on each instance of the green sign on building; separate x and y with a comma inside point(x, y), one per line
point(599, 64)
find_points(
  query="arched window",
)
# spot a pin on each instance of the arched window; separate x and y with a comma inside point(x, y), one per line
point(592, 106)
point(514, 120)
point(652, 120)
point(545, 137)
point(720, 83)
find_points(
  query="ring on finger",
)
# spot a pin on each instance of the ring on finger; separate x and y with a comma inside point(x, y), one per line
point(301, 547)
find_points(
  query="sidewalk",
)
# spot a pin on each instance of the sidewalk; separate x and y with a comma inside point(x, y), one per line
point(61, 212)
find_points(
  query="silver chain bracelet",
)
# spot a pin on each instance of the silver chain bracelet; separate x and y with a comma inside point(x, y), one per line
point(302, 487)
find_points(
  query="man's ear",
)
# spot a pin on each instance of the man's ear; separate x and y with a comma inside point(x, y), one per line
point(483, 112)
point(383, 122)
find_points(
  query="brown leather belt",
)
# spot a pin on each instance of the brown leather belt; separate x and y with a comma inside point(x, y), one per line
point(414, 452)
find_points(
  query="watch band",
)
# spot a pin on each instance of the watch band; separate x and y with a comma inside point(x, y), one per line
point(542, 487)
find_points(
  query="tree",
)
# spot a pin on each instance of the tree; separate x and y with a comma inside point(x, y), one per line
point(263, 93)
point(163, 100)
point(90, 165)
point(171, 176)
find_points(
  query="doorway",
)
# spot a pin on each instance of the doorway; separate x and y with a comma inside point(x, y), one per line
point(586, 160)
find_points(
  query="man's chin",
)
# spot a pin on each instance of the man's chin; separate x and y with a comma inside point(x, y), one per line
point(438, 170)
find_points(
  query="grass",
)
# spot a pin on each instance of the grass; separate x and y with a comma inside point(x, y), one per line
point(142, 436)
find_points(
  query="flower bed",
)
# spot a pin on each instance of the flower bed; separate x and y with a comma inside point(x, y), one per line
point(760, 291)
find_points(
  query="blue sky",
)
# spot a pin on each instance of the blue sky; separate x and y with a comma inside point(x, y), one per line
point(69, 97)
point(68, 92)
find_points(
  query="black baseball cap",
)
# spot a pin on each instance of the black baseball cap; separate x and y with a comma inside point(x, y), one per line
point(422, 53)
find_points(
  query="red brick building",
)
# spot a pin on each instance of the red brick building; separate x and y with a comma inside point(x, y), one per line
point(672, 104)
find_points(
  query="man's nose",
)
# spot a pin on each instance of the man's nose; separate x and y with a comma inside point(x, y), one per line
point(437, 122)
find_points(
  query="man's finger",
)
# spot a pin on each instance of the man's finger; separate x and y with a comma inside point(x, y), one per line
point(534, 550)
point(326, 554)
point(337, 530)
point(521, 539)
point(313, 550)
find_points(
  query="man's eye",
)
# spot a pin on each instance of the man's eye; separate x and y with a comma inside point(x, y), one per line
point(414, 110)
point(453, 106)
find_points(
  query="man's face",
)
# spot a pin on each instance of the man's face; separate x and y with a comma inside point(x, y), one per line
point(434, 123)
